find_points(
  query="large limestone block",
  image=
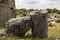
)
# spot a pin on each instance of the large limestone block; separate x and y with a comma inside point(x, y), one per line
point(18, 26)
point(7, 10)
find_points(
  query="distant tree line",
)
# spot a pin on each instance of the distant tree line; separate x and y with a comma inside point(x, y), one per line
point(25, 10)
point(54, 10)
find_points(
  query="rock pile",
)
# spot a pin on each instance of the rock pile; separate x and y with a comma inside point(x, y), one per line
point(36, 20)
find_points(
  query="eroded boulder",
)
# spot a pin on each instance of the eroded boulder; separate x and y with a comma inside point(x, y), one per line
point(18, 26)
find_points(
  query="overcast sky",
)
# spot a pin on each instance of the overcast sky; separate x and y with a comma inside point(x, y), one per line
point(37, 4)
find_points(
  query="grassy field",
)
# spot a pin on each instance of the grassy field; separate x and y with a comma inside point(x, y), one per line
point(53, 32)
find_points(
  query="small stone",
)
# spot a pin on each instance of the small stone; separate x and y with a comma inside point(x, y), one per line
point(3, 38)
point(57, 38)
point(3, 34)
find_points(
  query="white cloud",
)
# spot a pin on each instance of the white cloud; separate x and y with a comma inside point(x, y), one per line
point(37, 4)
point(19, 1)
point(42, 2)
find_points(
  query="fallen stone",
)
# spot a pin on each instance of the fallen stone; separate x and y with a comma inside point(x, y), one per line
point(18, 26)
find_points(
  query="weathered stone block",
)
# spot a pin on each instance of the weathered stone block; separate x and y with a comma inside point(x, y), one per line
point(40, 23)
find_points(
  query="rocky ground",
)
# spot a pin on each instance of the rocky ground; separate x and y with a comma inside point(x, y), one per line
point(53, 32)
